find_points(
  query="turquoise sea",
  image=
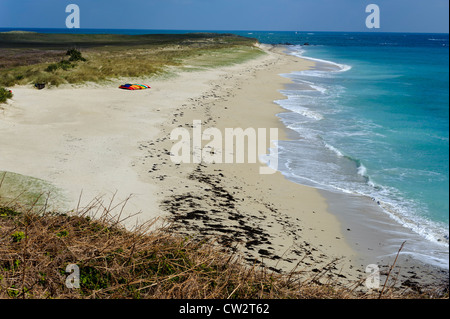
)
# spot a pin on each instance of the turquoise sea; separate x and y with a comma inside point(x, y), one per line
point(372, 118)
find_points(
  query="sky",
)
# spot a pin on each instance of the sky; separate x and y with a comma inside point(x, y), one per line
point(265, 15)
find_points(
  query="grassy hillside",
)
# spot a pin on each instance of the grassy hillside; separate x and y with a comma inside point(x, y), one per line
point(38, 243)
point(36, 248)
point(29, 57)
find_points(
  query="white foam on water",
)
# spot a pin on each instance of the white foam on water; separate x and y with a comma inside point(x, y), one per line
point(295, 107)
point(334, 149)
point(362, 170)
point(298, 51)
point(319, 88)
point(390, 200)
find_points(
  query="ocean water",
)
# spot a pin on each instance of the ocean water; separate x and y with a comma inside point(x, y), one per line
point(372, 118)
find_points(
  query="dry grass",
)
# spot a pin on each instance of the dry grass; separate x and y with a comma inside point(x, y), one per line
point(117, 263)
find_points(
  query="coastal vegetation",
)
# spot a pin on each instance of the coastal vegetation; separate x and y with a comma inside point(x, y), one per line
point(5, 95)
point(38, 245)
point(56, 59)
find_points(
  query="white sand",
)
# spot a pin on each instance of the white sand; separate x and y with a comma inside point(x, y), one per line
point(100, 140)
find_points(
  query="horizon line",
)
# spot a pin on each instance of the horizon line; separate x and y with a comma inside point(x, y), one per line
point(220, 30)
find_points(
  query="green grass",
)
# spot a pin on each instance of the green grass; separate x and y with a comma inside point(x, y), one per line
point(29, 58)
point(29, 191)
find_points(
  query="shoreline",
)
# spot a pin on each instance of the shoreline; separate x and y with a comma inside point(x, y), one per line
point(263, 209)
point(232, 203)
point(353, 258)
point(382, 235)
point(378, 236)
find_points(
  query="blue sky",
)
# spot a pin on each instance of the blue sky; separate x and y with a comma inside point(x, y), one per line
point(268, 15)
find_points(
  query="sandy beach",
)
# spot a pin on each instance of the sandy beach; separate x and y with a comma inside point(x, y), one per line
point(98, 141)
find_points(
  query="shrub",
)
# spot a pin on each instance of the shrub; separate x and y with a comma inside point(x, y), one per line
point(52, 67)
point(64, 64)
point(5, 94)
point(75, 55)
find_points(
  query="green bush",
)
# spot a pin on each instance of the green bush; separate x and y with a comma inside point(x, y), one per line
point(52, 67)
point(5, 94)
point(64, 64)
point(75, 55)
